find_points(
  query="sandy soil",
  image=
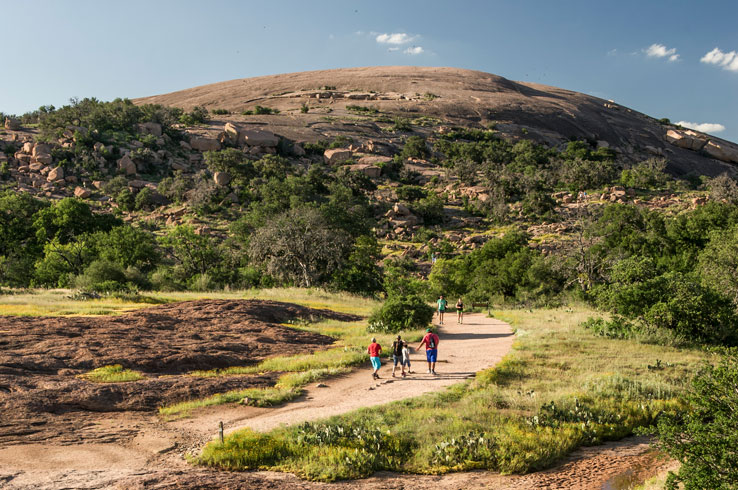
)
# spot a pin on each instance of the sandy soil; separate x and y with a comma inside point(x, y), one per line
point(136, 450)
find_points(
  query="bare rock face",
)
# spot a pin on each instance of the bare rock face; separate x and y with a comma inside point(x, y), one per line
point(55, 174)
point(82, 193)
point(222, 178)
point(127, 165)
point(371, 171)
point(259, 138)
point(336, 156)
point(721, 151)
point(686, 139)
point(150, 128)
point(374, 159)
point(204, 144)
point(12, 124)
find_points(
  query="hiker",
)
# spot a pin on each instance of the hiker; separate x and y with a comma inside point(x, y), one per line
point(460, 311)
point(441, 309)
point(397, 355)
point(405, 358)
point(431, 349)
point(374, 350)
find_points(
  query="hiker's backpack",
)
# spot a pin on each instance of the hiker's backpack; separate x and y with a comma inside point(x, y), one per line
point(431, 341)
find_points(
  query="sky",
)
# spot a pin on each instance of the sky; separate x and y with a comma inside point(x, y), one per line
point(676, 59)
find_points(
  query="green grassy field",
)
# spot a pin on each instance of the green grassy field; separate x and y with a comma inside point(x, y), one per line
point(560, 388)
point(60, 302)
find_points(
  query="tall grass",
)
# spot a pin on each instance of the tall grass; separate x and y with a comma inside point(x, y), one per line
point(560, 388)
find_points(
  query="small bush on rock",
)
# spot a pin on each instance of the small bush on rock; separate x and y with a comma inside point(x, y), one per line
point(401, 313)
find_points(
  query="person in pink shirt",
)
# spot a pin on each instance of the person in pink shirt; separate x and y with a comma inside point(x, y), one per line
point(431, 349)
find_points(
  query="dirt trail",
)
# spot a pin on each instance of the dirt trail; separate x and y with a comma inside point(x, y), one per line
point(140, 451)
point(464, 349)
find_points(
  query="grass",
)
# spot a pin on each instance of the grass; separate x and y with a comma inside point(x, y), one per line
point(60, 302)
point(560, 388)
point(112, 374)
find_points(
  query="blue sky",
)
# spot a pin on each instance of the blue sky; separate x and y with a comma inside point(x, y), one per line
point(675, 59)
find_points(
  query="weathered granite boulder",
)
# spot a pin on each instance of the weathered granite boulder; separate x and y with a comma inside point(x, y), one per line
point(686, 139)
point(150, 128)
point(127, 165)
point(222, 178)
point(12, 124)
point(55, 174)
point(204, 144)
point(82, 193)
point(374, 159)
point(721, 151)
point(369, 170)
point(255, 137)
point(337, 156)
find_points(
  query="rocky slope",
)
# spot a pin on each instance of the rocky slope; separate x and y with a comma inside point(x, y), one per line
point(464, 97)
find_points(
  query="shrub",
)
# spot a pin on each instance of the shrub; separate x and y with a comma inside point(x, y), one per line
point(304, 108)
point(401, 313)
point(430, 209)
point(362, 109)
point(144, 199)
point(125, 200)
point(646, 175)
point(259, 110)
point(704, 436)
point(220, 112)
point(198, 115)
point(102, 276)
point(415, 148)
point(723, 188)
point(410, 193)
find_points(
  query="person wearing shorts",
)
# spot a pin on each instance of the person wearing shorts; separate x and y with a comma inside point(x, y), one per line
point(397, 355)
point(441, 309)
point(431, 349)
point(405, 358)
point(460, 311)
point(374, 350)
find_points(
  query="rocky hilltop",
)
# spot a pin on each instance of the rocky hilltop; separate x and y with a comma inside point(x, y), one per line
point(546, 114)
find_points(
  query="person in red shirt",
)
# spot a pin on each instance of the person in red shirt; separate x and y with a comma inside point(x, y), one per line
point(431, 349)
point(374, 350)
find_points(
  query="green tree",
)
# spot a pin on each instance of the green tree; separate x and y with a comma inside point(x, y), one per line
point(298, 247)
point(70, 218)
point(704, 436)
point(127, 246)
point(361, 274)
point(194, 254)
point(718, 262)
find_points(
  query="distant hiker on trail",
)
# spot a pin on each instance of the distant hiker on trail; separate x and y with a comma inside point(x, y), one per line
point(405, 358)
point(441, 308)
point(431, 349)
point(460, 311)
point(397, 355)
point(374, 350)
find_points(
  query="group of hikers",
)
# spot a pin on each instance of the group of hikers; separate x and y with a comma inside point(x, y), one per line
point(401, 349)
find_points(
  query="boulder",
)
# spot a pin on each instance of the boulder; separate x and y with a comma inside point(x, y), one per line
point(337, 156)
point(204, 144)
point(27, 147)
point(43, 158)
point(139, 184)
point(82, 193)
point(98, 184)
point(55, 174)
point(369, 170)
point(41, 149)
point(35, 167)
point(721, 151)
point(255, 137)
point(98, 147)
point(12, 124)
point(231, 133)
point(686, 139)
point(127, 165)
point(374, 159)
point(298, 150)
point(150, 128)
point(401, 209)
point(222, 178)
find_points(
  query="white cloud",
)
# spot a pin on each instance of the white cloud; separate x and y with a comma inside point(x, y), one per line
point(660, 51)
point(729, 61)
point(414, 50)
point(392, 50)
point(395, 38)
point(703, 127)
